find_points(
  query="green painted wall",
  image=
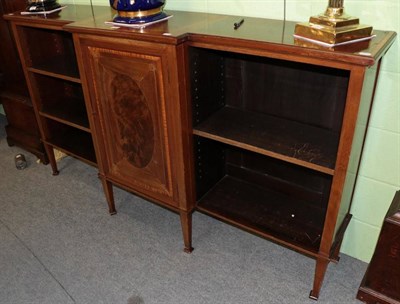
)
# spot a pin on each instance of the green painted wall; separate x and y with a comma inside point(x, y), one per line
point(379, 175)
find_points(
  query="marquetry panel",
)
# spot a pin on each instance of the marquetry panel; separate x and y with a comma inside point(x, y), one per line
point(131, 107)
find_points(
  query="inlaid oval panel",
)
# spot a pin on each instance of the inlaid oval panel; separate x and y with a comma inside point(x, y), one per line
point(135, 124)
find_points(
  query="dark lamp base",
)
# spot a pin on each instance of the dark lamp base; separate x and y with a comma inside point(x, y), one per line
point(42, 6)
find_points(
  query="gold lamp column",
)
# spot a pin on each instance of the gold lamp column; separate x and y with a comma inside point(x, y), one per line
point(333, 26)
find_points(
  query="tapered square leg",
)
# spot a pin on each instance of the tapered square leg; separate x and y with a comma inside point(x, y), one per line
point(108, 191)
point(320, 270)
point(186, 222)
point(50, 153)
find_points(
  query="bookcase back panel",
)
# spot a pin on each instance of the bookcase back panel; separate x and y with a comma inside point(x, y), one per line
point(305, 93)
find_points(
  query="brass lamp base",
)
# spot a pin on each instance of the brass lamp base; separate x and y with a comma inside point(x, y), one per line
point(333, 27)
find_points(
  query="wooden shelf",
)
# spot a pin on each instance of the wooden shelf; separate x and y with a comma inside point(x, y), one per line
point(294, 142)
point(64, 68)
point(273, 215)
point(75, 143)
point(71, 112)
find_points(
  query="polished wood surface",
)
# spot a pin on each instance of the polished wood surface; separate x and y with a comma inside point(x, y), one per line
point(269, 35)
point(70, 13)
point(381, 283)
point(250, 126)
point(22, 129)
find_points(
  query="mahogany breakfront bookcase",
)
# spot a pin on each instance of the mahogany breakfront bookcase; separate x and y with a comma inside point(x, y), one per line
point(249, 126)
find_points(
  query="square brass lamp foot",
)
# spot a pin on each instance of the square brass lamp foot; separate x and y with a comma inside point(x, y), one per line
point(333, 26)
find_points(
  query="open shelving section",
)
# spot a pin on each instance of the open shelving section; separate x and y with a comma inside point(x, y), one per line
point(70, 140)
point(68, 107)
point(266, 143)
point(278, 130)
point(51, 68)
point(22, 128)
point(273, 198)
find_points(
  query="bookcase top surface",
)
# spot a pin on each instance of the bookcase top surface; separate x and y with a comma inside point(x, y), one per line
point(255, 33)
point(69, 13)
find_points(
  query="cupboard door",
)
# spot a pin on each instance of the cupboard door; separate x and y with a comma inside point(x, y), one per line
point(131, 108)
